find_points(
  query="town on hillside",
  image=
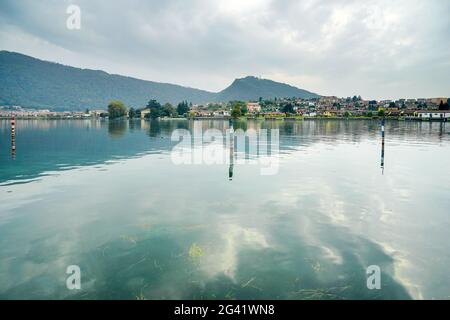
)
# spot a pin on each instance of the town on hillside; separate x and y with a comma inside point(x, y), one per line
point(281, 108)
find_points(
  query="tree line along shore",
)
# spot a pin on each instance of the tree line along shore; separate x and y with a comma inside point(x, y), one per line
point(281, 109)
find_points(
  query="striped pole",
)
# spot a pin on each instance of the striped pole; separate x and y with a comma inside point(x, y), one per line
point(13, 137)
point(382, 144)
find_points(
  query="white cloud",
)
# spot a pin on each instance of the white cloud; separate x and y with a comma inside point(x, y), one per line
point(378, 49)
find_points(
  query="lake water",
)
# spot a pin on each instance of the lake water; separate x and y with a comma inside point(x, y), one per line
point(108, 197)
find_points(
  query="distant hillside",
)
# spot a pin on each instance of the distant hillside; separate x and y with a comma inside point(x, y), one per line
point(251, 88)
point(30, 82)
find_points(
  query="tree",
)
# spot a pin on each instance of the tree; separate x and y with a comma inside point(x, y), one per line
point(238, 108)
point(183, 108)
point(168, 110)
point(138, 113)
point(155, 109)
point(131, 113)
point(191, 114)
point(444, 106)
point(236, 111)
point(87, 111)
point(288, 108)
point(116, 109)
point(381, 113)
point(244, 108)
point(346, 114)
point(447, 104)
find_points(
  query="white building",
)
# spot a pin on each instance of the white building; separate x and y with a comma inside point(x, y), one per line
point(144, 112)
point(433, 114)
point(223, 113)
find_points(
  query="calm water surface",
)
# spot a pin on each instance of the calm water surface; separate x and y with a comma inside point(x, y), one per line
point(107, 197)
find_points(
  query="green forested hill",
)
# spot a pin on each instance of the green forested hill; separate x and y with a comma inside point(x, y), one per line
point(251, 88)
point(30, 82)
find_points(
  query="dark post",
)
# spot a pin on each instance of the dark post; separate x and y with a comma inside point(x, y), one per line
point(382, 144)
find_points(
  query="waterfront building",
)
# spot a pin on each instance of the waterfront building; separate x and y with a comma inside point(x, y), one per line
point(433, 115)
point(144, 112)
point(438, 101)
point(221, 113)
point(253, 107)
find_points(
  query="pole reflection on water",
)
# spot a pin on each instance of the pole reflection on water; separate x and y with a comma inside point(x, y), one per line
point(230, 169)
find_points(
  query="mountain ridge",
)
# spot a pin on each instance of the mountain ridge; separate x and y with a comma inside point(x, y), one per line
point(35, 83)
point(246, 88)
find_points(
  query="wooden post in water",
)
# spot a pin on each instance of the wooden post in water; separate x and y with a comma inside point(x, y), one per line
point(382, 145)
point(13, 137)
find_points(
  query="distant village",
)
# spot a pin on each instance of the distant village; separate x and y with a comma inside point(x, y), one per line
point(288, 108)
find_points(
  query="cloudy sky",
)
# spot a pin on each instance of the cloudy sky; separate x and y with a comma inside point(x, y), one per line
point(376, 49)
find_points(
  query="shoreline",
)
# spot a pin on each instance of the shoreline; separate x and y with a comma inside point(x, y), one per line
point(238, 119)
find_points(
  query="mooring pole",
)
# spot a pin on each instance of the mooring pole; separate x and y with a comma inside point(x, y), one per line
point(13, 137)
point(382, 145)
